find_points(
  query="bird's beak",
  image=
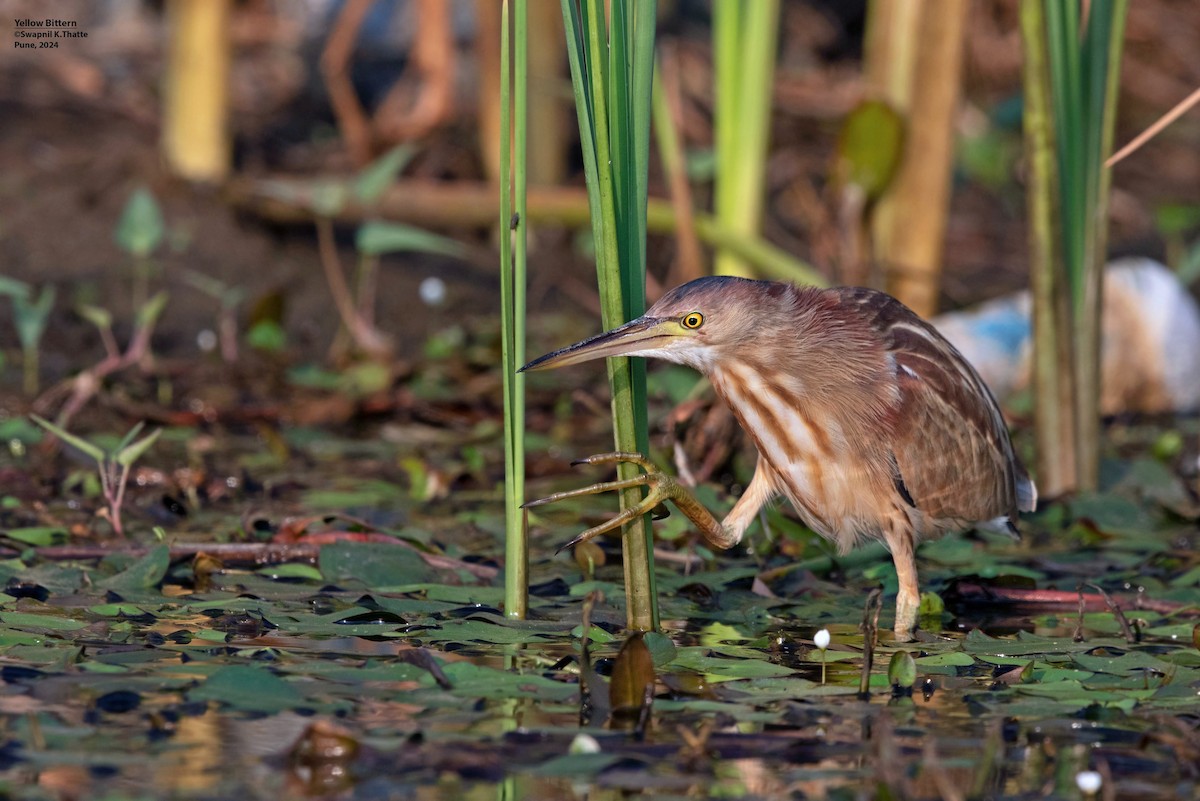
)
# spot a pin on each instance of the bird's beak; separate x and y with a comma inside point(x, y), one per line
point(643, 334)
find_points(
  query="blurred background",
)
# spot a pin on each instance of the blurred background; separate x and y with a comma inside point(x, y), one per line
point(85, 126)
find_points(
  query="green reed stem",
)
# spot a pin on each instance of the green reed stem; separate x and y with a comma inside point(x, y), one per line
point(512, 299)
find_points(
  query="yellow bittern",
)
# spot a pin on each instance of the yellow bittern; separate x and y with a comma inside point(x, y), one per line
point(864, 416)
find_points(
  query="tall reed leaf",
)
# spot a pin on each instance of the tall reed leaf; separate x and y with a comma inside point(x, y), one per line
point(1073, 52)
point(744, 40)
point(611, 73)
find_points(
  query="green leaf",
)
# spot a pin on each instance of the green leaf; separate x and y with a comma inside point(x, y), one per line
point(722, 668)
point(130, 453)
point(662, 648)
point(140, 229)
point(329, 198)
point(267, 335)
point(31, 316)
point(477, 681)
point(31, 620)
point(869, 147)
point(129, 435)
point(948, 659)
point(146, 572)
point(100, 317)
point(376, 238)
point(38, 536)
point(1176, 218)
point(381, 173)
point(255, 689)
point(149, 313)
point(80, 444)
point(14, 288)
point(577, 765)
point(291, 570)
point(373, 564)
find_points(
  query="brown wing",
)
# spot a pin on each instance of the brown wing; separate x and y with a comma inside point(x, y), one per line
point(950, 443)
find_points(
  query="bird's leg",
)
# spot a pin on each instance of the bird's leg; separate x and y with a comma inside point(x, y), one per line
point(661, 487)
point(908, 599)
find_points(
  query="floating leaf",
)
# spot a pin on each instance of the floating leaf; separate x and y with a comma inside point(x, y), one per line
point(478, 681)
point(31, 620)
point(662, 648)
point(255, 689)
point(291, 570)
point(146, 572)
point(577, 765)
point(1021, 673)
point(373, 564)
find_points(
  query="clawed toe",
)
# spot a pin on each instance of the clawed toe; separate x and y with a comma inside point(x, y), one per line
point(660, 487)
point(653, 502)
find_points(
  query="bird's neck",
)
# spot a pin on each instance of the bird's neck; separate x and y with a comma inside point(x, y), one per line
point(840, 383)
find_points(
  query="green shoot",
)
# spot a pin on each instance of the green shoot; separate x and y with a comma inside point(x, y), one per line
point(139, 233)
point(30, 316)
point(113, 466)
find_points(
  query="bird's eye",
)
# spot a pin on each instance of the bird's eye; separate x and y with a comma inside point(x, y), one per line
point(692, 320)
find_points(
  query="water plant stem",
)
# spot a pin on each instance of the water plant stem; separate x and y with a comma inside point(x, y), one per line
point(514, 98)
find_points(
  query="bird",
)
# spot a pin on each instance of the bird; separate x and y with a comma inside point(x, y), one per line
point(865, 418)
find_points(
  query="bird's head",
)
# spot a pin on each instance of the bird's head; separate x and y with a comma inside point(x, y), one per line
point(693, 324)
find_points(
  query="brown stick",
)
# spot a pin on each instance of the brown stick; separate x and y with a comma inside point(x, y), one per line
point(366, 337)
point(689, 262)
point(434, 204)
point(84, 386)
point(254, 553)
point(1122, 621)
point(870, 628)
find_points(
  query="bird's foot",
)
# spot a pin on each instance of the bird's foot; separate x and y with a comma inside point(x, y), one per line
point(660, 487)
